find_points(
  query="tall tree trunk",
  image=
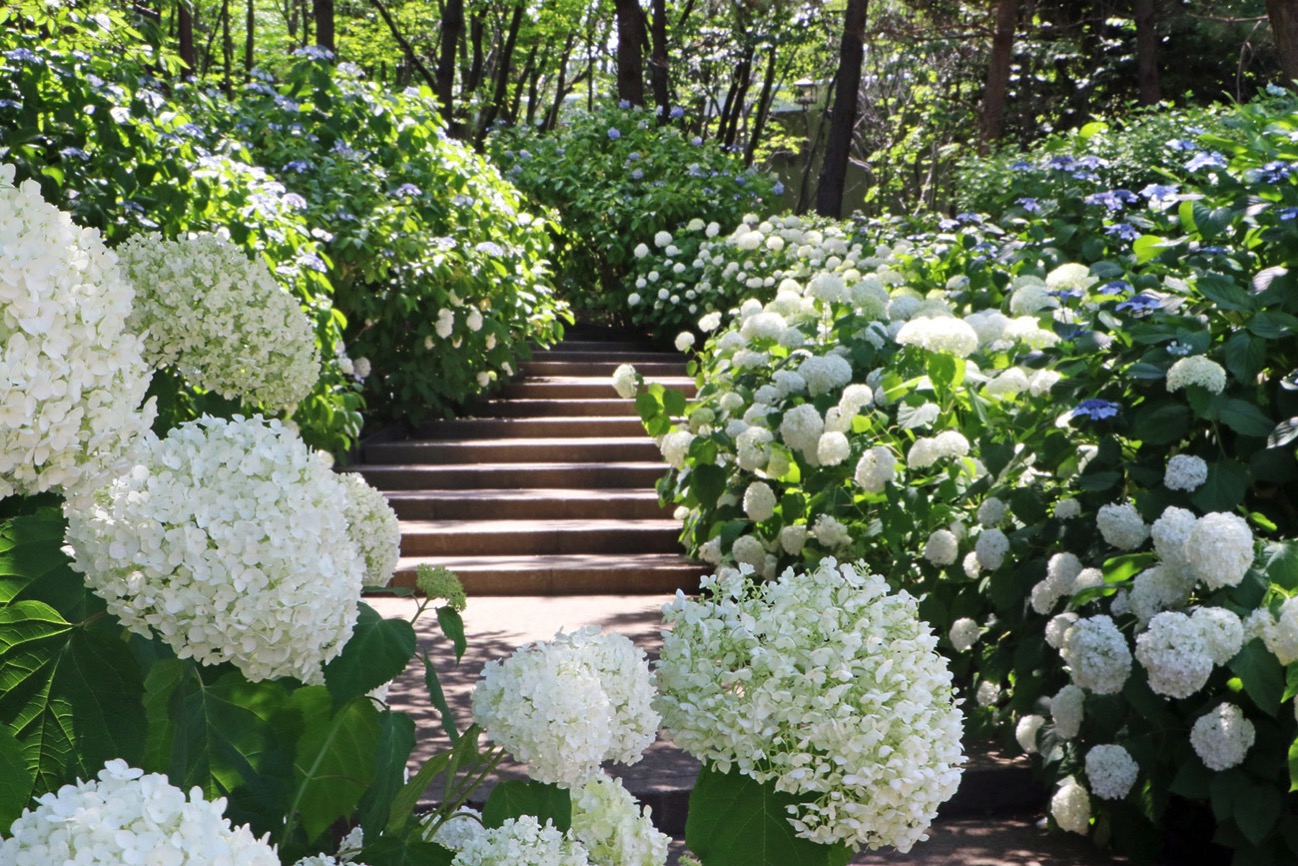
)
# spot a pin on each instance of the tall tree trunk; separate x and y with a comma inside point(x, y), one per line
point(227, 48)
point(250, 26)
point(324, 24)
point(501, 76)
point(729, 130)
point(473, 80)
point(658, 69)
point(561, 86)
point(838, 146)
point(630, 59)
point(535, 90)
point(1148, 88)
point(1283, 15)
point(998, 73)
point(452, 30)
point(763, 106)
point(185, 35)
point(524, 78)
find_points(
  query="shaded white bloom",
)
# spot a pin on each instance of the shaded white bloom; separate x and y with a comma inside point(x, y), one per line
point(1067, 509)
point(801, 429)
point(855, 398)
point(1031, 298)
point(824, 684)
point(943, 334)
point(1219, 549)
point(833, 448)
point(749, 550)
point(942, 547)
point(1222, 737)
point(875, 469)
point(1067, 709)
point(1185, 472)
point(1172, 652)
point(988, 325)
point(829, 532)
point(445, 323)
point(455, 832)
point(566, 705)
point(1088, 578)
point(72, 377)
point(987, 693)
point(1041, 381)
point(126, 816)
point(1026, 732)
point(675, 447)
point(1098, 655)
point(641, 250)
point(607, 821)
point(992, 512)
point(759, 501)
point(684, 340)
point(1111, 771)
point(964, 634)
point(763, 325)
point(220, 319)
point(1061, 570)
point(1121, 525)
point(1057, 628)
point(753, 448)
point(373, 527)
point(1070, 276)
point(1071, 807)
point(518, 841)
point(1170, 532)
point(1280, 634)
point(1159, 588)
point(1197, 370)
point(788, 382)
point(662, 239)
point(991, 547)
point(793, 538)
point(1028, 331)
point(230, 541)
point(1222, 630)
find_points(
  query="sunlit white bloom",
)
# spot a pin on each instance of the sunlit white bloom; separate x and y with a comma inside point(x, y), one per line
point(373, 527)
point(1222, 737)
point(521, 840)
point(830, 532)
point(943, 334)
point(675, 447)
point(753, 448)
point(1070, 276)
point(1067, 709)
point(801, 429)
point(964, 634)
point(992, 512)
point(1222, 630)
point(1219, 549)
point(759, 501)
point(825, 373)
point(1025, 731)
point(626, 382)
point(1121, 525)
point(1198, 370)
point(1097, 654)
point(793, 538)
point(1111, 771)
point(990, 548)
point(833, 448)
point(1172, 652)
point(1159, 588)
point(1170, 532)
point(1071, 807)
point(942, 547)
point(1067, 509)
point(612, 827)
point(1057, 628)
point(875, 469)
point(684, 340)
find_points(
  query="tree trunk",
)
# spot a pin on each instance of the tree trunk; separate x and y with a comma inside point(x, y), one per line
point(406, 47)
point(524, 77)
point(473, 80)
point(501, 88)
point(227, 48)
point(998, 73)
point(535, 90)
point(1148, 88)
point(729, 131)
point(1283, 15)
point(185, 34)
point(250, 26)
point(561, 86)
point(324, 24)
point(763, 106)
point(838, 146)
point(630, 62)
point(452, 30)
point(658, 79)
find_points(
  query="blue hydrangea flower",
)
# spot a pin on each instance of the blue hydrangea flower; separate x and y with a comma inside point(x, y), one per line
point(407, 189)
point(298, 166)
point(1161, 195)
point(1029, 204)
point(1068, 294)
point(1182, 144)
point(9, 103)
point(1022, 165)
point(637, 174)
point(294, 201)
point(623, 104)
point(1122, 231)
point(1206, 159)
point(778, 189)
point(1272, 173)
point(23, 55)
point(677, 112)
point(74, 153)
point(1115, 287)
point(1062, 163)
point(1287, 213)
point(1139, 303)
point(613, 133)
point(633, 156)
point(1113, 199)
point(696, 141)
point(947, 224)
point(1096, 409)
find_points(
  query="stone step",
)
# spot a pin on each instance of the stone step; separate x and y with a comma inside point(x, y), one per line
point(513, 475)
point(596, 367)
point(533, 504)
point(519, 450)
point(581, 387)
point(538, 537)
point(572, 574)
point(554, 427)
point(614, 356)
point(611, 406)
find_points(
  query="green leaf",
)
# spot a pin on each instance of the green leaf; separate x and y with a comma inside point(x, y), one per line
point(735, 821)
point(438, 699)
point(674, 402)
point(34, 567)
point(944, 370)
point(1263, 678)
point(15, 778)
point(69, 693)
point(1223, 292)
point(514, 798)
point(1224, 489)
point(1147, 247)
point(335, 761)
point(1245, 356)
point(397, 740)
point(409, 850)
point(1244, 418)
point(1273, 325)
point(1257, 810)
point(1293, 766)
point(1164, 423)
point(403, 804)
point(377, 652)
point(1279, 564)
point(453, 629)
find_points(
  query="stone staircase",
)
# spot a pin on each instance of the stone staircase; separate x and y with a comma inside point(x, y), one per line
point(547, 489)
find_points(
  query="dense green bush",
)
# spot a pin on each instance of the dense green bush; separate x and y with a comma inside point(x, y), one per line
point(443, 276)
point(616, 177)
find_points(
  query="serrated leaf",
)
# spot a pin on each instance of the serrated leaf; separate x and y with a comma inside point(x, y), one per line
point(1161, 424)
point(15, 778)
point(1273, 325)
point(1279, 564)
point(335, 759)
point(397, 740)
point(1223, 292)
point(674, 402)
point(514, 798)
point(408, 850)
point(437, 698)
point(1224, 489)
point(1245, 356)
point(377, 652)
point(34, 567)
point(1261, 674)
point(1257, 811)
point(452, 625)
point(735, 821)
point(1244, 418)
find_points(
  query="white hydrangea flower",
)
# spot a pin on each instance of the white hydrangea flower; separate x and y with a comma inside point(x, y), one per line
point(1057, 628)
point(1026, 732)
point(518, 841)
point(749, 550)
point(991, 547)
point(1068, 509)
point(992, 512)
point(1162, 587)
point(872, 736)
point(830, 532)
point(1121, 525)
point(759, 501)
point(1185, 472)
point(801, 429)
point(1067, 709)
point(373, 527)
point(684, 340)
point(788, 382)
point(987, 693)
point(221, 320)
point(662, 239)
point(1219, 549)
point(943, 334)
point(606, 820)
point(230, 541)
point(710, 322)
point(710, 551)
point(72, 376)
point(1031, 298)
point(126, 816)
point(566, 705)
point(875, 469)
point(456, 831)
point(1222, 630)
point(1222, 737)
point(1170, 532)
point(988, 325)
point(753, 448)
point(675, 447)
point(1061, 571)
point(1070, 276)
point(1088, 578)
point(1008, 383)
point(1172, 652)
point(1041, 381)
point(942, 547)
point(763, 325)
point(1028, 331)
point(1197, 370)
point(1111, 771)
point(1279, 634)
point(1071, 807)
point(964, 634)
point(833, 448)
point(926, 451)
point(1098, 655)
point(825, 373)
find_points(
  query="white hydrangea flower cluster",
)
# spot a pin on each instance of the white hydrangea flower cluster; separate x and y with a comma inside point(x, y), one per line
point(1025, 732)
point(1197, 370)
point(1174, 654)
point(72, 376)
point(1111, 771)
point(942, 547)
point(1185, 472)
point(928, 450)
point(1222, 737)
point(126, 816)
point(221, 320)
point(626, 381)
point(940, 334)
point(567, 705)
point(1219, 549)
point(1071, 806)
point(373, 527)
point(964, 634)
point(608, 822)
point(1121, 525)
point(875, 469)
point(230, 541)
point(1067, 709)
point(521, 840)
point(1097, 654)
point(824, 684)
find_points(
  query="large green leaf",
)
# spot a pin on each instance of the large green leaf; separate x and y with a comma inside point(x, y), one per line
point(514, 798)
point(1224, 489)
point(407, 850)
point(69, 692)
point(15, 778)
point(34, 567)
point(377, 652)
point(1262, 676)
point(734, 821)
point(1245, 418)
point(396, 742)
point(336, 761)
